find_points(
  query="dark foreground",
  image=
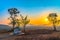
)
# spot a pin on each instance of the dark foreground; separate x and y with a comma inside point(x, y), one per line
point(35, 35)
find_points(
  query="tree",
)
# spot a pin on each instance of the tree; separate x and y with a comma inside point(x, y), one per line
point(24, 21)
point(18, 22)
point(52, 17)
point(13, 14)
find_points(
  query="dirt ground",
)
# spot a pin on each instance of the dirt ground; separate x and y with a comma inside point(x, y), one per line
point(34, 35)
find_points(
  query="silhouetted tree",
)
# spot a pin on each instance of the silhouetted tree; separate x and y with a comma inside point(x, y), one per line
point(24, 21)
point(13, 14)
point(52, 17)
point(18, 22)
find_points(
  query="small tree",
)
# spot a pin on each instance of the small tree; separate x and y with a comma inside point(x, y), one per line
point(53, 19)
point(24, 21)
point(18, 22)
point(13, 14)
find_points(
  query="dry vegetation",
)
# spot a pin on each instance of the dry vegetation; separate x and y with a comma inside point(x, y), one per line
point(36, 35)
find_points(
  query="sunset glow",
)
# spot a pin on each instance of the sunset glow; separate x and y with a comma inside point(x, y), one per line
point(36, 20)
point(37, 11)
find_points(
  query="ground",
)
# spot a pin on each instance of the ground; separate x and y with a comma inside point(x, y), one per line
point(33, 35)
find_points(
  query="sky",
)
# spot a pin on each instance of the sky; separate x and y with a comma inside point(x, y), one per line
point(37, 10)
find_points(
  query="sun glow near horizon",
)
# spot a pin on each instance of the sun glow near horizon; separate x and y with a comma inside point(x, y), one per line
point(39, 19)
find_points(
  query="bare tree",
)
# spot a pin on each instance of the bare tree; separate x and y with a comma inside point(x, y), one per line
point(24, 21)
point(18, 22)
point(52, 17)
point(13, 14)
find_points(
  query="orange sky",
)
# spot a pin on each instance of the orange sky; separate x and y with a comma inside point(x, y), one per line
point(40, 19)
point(33, 20)
point(5, 21)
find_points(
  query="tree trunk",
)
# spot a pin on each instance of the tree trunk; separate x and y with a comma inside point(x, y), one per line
point(54, 27)
point(13, 27)
point(24, 29)
point(13, 23)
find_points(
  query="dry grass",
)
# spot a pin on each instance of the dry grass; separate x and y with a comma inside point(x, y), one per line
point(36, 35)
